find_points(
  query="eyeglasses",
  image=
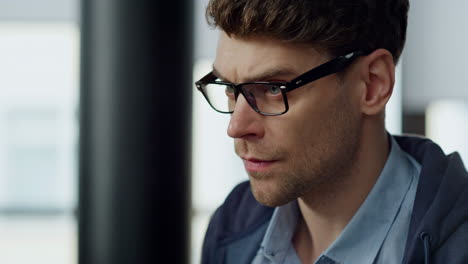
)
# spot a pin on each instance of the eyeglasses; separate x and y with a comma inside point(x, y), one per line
point(266, 98)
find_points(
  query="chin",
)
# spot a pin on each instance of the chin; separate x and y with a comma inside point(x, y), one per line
point(268, 193)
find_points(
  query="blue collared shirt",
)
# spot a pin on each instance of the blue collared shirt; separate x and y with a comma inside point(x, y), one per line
point(376, 233)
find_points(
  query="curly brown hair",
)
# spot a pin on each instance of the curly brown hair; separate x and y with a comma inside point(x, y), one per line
point(335, 26)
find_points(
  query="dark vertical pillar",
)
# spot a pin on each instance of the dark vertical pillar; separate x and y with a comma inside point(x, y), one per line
point(136, 77)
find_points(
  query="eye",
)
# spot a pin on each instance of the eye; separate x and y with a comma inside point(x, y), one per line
point(274, 90)
point(229, 91)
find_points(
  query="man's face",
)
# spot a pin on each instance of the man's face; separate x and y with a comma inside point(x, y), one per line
point(309, 148)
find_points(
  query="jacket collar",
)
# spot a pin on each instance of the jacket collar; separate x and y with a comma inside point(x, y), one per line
point(443, 182)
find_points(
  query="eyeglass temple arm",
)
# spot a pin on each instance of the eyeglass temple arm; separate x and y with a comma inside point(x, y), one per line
point(323, 70)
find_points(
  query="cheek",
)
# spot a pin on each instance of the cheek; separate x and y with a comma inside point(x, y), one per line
point(313, 123)
point(314, 113)
point(308, 119)
point(294, 131)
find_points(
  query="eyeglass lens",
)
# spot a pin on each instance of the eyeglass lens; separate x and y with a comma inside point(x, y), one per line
point(266, 98)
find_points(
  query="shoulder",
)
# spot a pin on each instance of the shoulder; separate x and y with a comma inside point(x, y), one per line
point(240, 214)
point(240, 211)
point(441, 203)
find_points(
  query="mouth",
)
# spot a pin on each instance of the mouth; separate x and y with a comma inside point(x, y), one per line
point(257, 165)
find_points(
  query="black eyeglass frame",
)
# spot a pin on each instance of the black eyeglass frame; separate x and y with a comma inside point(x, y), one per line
point(333, 66)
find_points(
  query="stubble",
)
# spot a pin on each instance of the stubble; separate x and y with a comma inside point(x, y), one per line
point(318, 170)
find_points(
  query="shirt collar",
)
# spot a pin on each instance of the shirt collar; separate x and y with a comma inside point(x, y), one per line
point(363, 237)
point(280, 231)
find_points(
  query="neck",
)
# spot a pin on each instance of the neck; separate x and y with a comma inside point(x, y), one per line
point(326, 214)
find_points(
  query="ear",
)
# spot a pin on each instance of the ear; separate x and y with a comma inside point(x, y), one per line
point(378, 72)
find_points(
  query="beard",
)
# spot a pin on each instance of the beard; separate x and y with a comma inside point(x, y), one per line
point(315, 166)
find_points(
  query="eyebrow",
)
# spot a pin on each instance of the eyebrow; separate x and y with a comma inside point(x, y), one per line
point(265, 75)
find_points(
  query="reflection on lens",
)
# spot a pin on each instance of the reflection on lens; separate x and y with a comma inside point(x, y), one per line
point(265, 98)
point(221, 97)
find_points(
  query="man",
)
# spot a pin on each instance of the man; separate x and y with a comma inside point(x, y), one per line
point(306, 83)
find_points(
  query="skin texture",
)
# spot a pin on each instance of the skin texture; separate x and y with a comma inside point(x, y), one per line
point(310, 144)
point(327, 150)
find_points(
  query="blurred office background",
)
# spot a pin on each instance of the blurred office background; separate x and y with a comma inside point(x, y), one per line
point(39, 49)
point(39, 95)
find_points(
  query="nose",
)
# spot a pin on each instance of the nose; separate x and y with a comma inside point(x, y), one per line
point(245, 122)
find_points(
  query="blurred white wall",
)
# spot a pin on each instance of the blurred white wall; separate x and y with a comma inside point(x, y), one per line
point(39, 52)
point(447, 124)
point(436, 55)
point(38, 124)
point(394, 115)
point(39, 11)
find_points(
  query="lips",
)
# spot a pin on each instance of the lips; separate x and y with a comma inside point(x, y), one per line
point(257, 165)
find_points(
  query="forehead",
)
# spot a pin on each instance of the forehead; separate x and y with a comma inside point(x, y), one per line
point(238, 59)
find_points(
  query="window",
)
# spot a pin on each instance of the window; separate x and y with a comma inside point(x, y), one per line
point(38, 128)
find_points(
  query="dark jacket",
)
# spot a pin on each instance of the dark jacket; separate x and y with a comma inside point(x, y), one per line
point(439, 224)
